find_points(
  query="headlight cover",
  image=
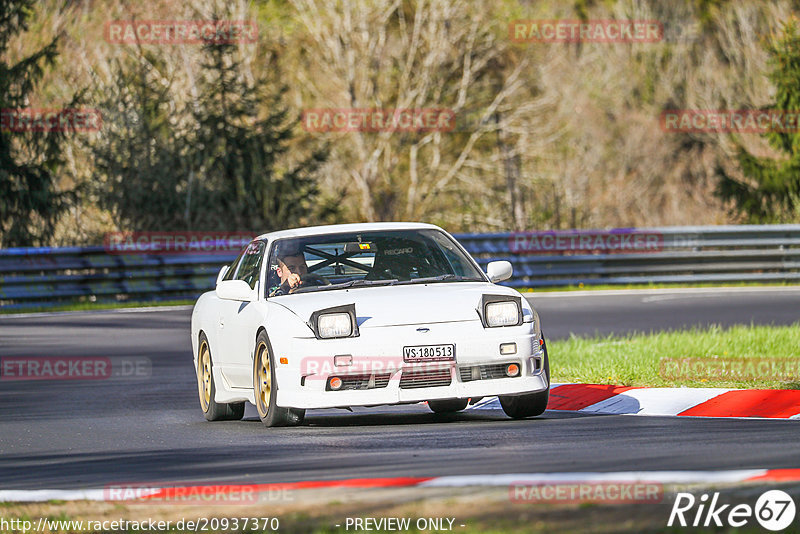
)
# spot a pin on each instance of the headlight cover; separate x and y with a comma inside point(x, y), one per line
point(333, 323)
point(501, 310)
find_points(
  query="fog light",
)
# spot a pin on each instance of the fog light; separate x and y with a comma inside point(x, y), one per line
point(508, 348)
point(512, 369)
point(335, 383)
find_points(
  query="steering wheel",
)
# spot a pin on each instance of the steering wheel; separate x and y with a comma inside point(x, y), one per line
point(313, 279)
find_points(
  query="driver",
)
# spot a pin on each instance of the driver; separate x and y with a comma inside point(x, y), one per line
point(291, 267)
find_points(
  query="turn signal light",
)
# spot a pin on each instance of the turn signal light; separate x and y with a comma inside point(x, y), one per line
point(335, 383)
point(341, 360)
point(512, 369)
point(508, 348)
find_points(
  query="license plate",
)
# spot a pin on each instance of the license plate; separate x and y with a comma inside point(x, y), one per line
point(429, 353)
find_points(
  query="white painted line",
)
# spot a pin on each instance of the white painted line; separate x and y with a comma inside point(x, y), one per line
point(106, 494)
point(146, 309)
point(664, 291)
point(486, 403)
point(51, 495)
point(664, 477)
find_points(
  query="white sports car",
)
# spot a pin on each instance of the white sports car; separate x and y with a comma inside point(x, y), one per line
point(364, 315)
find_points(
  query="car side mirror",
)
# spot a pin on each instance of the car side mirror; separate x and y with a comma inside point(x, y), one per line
point(235, 290)
point(497, 271)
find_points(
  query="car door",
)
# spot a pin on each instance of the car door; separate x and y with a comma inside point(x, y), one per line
point(239, 321)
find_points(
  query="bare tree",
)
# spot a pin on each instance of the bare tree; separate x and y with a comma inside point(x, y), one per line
point(412, 55)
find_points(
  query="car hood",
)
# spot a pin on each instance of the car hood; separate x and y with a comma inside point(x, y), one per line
point(400, 305)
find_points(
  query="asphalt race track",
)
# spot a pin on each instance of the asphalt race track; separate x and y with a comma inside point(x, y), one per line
point(137, 429)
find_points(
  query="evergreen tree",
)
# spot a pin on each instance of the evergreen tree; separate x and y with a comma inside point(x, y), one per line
point(30, 202)
point(774, 192)
point(243, 128)
point(211, 165)
point(140, 156)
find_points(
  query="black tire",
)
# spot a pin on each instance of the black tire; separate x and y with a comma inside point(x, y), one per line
point(522, 406)
point(207, 390)
point(265, 389)
point(448, 405)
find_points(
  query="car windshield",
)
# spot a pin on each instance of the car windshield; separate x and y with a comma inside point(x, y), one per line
point(363, 259)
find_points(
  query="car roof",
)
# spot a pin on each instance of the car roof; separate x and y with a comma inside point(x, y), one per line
point(342, 228)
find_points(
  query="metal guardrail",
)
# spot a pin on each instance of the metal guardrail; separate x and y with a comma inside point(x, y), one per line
point(45, 277)
point(683, 254)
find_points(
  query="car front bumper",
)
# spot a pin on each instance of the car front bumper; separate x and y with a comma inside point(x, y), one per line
point(303, 382)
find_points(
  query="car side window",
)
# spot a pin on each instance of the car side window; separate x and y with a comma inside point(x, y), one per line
point(249, 268)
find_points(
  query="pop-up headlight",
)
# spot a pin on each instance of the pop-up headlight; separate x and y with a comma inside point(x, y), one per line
point(334, 325)
point(337, 322)
point(501, 310)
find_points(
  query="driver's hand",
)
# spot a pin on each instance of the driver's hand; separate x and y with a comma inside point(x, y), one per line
point(294, 280)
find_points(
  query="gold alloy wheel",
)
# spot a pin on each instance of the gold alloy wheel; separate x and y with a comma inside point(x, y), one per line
point(204, 375)
point(264, 379)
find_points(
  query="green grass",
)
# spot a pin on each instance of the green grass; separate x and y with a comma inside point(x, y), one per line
point(681, 358)
point(88, 306)
point(597, 287)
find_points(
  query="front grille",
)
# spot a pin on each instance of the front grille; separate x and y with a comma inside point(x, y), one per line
point(362, 381)
point(466, 374)
point(425, 378)
point(483, 372)
point(382, 380)
point(354, 382)
point(497, 370)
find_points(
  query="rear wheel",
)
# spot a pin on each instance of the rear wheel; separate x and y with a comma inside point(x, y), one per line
point(447, 406)
point(212, 410)
point(521, 406)
point(266, 391)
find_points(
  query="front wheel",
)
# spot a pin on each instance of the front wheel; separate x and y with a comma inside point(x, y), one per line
point(522, 406)
point(213, 410)
point(266, 391)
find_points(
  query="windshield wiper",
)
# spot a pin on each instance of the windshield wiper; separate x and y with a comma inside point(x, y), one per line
point(440, 278)
point(345, 285)
point(367, 283)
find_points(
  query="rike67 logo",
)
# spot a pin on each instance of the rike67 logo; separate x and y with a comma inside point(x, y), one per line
point(774, 510)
